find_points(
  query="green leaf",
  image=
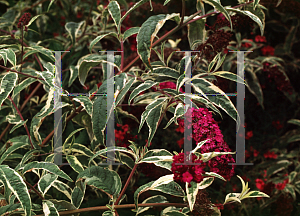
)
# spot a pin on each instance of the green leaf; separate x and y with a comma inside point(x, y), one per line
point(13, 148)
point(230, 76)
point(8, 54)
point(252, 16)
point(204, 87)
point(212, 174)
point(26, 157)
point(256, 2)
point(136, 5)
point(74, 29)
point(166, 2)
point(278, 166)
point(155, 155)
point(179, 111)
point(85, 102)
point(290, 189)
point(217, 4)
point(164, 184)
point(16, 184)
point(196, 33)
point(294, 121)
point(111, 149)
point(24, 84)
point(124, 90)
point(115, 12)
point(152, 199)
point(254, 86)
point(46, 182)
point(232, 197)
point(153, 117)
point(49, 209)
point(79, 148)
point(77, 197)
point(8, 83)
point(51, 2)
point(98, 38)
point(142, 87)
point(62, 187)
point(50, 167)
point(10, 208)
point(75, 164)
point(87, 62)
point(33, 19)
point(130, 32)
point(106, 180)
point(73, 74)
point(206, 182)
point(191, 193)
point(165, 72)
point(38, 49)
point(147, 33)
point(126, 114)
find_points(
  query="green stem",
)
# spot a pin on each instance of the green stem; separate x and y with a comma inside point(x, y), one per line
point(126, 184)
point(22, 120)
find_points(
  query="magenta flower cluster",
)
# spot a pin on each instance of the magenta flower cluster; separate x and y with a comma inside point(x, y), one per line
point(206, 128)
point(187, 173)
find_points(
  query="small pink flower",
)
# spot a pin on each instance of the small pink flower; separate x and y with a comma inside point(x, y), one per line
point(260, 184)
point(187, 177)
point(259, 38)
point(268, 50)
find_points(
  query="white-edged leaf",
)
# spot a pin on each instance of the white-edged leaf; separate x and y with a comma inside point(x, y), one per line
point(46, 182)
point(8, 83)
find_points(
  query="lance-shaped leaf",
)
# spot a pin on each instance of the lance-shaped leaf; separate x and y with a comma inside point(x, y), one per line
point(85, 102)
point(62, 187)
point(153, 117)
point(73, 74)
point(124, 90)
point(253, 85)
point(111, 149)
point(78, 194)
point(237, 197)
point(209, 155)
point(130, 32)
point(21, 86)
point(97, 39)
point(153, 199)
point(32, 20)
point(148, 32)
point(196, 32)
point(39, 49)
point(8, 54)
point(142, 87)
point(115, 12)
point(46, 182)
point(26, 157)
point(74, 163)
point(230, 76)
point(206, 182)
point(165, 72)
point(212, 174)
point(136, 5)
point(8, 83)
point(191, 193)
point(163, 184)
point(106, 180)
point(10, 208)
point(49, 209)
point(74, 29)
point(50, 167)
point(204, 87)
point(217, 5)
point(157, 103)
point(179, 111)
point(16, 184)
point(13, 148)
point(252, 16)
point(199, 145)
